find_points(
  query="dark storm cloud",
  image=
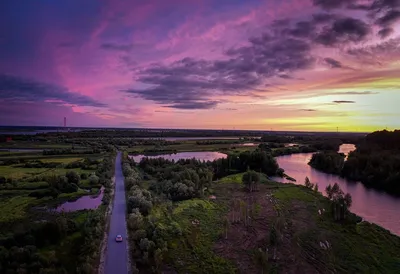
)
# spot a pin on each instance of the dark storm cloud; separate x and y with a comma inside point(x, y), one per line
point(285, 76)
point(383, 33)
point(13, 88)
point(286, 47)
point(331, 4)
point(302, 29)
point(333, 63)
point(323, 17)
point(382, 5)
point(195, 105)
point(342, 31)
point(372, 54)
point(389, 18)
point(343, 102)
point(386, 12)
point(190, 83)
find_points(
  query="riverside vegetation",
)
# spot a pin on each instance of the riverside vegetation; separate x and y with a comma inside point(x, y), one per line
point(227, 216)
point(375, 162)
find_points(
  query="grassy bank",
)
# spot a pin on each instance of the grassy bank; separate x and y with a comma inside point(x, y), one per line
point(308, 236)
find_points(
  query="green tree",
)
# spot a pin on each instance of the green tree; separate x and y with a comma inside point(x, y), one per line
point(93, 179)
point(308, 184)
point(251, 179)
point(73, 177)
point(340, 202)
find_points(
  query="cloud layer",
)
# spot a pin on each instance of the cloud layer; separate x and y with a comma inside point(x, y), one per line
point(250, 64)
point(16, 89)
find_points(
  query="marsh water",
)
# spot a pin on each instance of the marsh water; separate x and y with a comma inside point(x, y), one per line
point(199, 155)
point(373, 205)
point(84, 202)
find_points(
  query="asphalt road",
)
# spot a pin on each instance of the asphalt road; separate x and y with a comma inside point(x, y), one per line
point(116, 253)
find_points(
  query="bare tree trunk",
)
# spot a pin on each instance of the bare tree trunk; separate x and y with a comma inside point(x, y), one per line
point(240, 211)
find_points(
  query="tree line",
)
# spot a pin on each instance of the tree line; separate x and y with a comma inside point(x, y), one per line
point(375, 162)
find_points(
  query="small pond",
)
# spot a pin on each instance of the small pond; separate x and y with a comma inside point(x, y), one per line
point(291, 145)
point(248, 144)
point(84, 202)
point(199, 155)
point(195, 138)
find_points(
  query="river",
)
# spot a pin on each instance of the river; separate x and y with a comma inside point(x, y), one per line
point(374, 206)
point(199, 155)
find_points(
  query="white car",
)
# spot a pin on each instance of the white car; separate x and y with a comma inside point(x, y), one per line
point(118, 238)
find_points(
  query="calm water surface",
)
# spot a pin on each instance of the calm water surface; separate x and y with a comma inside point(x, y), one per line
point(192, 138)
point(374, 206)
point(200, 155)
point(248, 145)
point(84, 202)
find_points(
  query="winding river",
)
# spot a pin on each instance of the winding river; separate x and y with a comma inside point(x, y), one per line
point(374, 206)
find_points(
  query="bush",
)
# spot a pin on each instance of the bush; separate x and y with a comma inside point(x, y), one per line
point(73, 177)
point(93, 179)
point(84, 176)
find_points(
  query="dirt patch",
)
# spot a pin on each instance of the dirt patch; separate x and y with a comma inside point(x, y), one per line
point(248, 225)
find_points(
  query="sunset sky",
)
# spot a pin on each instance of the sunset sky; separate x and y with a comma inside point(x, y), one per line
point(245, 64)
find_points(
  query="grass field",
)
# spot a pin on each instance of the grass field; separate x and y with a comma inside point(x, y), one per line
point(237, 179)
point(191, 251)
point(37, 145)
point(19, 173)
point(14, 208)
point(353, 247)
point(64, 160)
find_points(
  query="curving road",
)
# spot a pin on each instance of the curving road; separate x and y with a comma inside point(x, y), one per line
point(116, 258)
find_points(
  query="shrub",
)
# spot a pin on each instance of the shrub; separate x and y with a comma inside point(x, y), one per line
point(93, 179)
point(84, 176)
point(73, 177)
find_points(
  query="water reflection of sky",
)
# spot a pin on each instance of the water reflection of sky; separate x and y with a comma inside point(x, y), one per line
point(84, 202)
point(200, 155)
point(372, 205)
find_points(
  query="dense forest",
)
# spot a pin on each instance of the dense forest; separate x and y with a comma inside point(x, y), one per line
point(329, 162)
point(375, 162)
